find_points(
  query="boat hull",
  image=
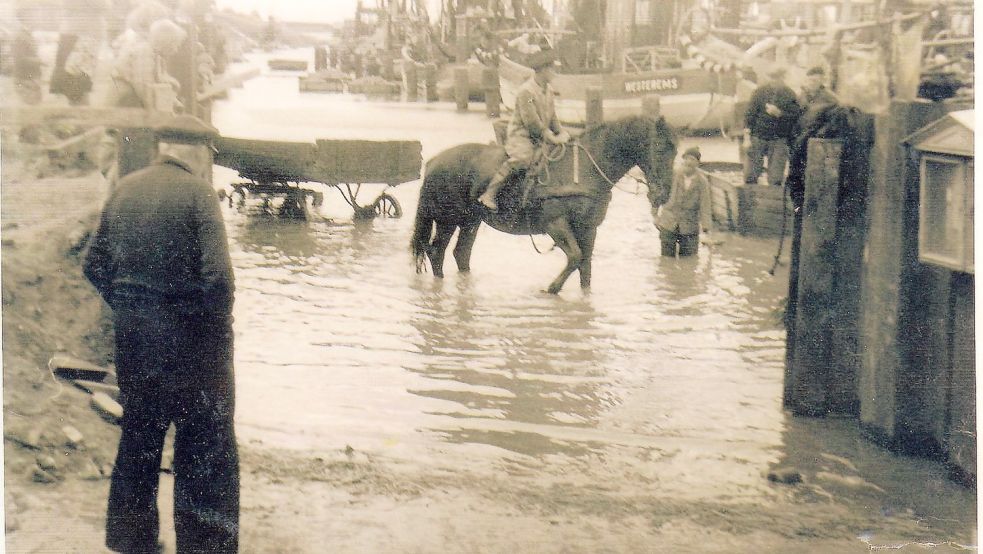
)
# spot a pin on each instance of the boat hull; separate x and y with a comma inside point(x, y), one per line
point(689, 98)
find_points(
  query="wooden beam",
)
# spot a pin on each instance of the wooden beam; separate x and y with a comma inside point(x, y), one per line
point(117, 118)
point(816, 32)
point(80, 115)
point(76, 143)
point(227, 82)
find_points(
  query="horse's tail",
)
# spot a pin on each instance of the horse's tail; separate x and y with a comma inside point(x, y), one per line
point(423, 226)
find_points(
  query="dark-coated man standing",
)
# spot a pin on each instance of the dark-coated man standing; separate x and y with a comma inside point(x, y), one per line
point(770, 123)
point(160, 258)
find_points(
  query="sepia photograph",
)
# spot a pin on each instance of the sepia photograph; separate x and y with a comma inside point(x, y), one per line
point(307, 276)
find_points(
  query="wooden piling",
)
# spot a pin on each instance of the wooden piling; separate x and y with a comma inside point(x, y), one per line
point(359, 66)
point(387, 67)
point(462, 49)
point(595, 107)
point(652, 106)
point(489, 83)
point(320, 58)
point(899, 332)
point(461, 88)
point(412, 80)
point(430, 81)
point(807, 378)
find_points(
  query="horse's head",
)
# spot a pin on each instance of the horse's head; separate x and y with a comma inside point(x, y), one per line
point(654, 155)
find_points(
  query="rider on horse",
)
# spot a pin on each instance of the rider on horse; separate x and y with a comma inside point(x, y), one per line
point(533, 123)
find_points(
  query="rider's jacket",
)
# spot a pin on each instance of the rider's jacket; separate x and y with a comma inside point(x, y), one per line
point(534, 113)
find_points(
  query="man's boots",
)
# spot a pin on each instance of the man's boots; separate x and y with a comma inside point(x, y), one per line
point(488, 197)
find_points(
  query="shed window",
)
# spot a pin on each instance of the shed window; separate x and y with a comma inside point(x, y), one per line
point(946, 212)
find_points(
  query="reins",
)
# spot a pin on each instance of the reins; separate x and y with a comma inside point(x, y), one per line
point(590, 157)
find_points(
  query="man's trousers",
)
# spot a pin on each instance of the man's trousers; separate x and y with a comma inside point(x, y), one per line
point(175, 368)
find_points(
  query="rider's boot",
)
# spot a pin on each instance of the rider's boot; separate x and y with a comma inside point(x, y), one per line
point(488, 197)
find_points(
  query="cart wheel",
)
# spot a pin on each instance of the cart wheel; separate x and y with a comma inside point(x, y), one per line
point(387, 206)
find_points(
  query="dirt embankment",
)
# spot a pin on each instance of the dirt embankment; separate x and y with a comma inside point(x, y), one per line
point(48, 308)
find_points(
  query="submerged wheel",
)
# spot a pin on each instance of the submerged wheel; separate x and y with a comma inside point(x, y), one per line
point(387, 206)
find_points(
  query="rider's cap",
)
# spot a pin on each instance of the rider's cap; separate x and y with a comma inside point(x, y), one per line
point(693, 151)
point(542, 59)
point(816, 70)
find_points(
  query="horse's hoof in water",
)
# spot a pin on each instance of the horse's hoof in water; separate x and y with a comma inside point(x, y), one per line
point(553, 289)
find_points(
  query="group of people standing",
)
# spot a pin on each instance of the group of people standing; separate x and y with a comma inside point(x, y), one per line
point(772, 121)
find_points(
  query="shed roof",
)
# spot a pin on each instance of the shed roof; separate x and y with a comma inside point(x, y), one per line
point(952, 134)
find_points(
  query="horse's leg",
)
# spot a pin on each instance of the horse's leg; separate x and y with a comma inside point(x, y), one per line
point(559, 229)
point(465, 241)
point(439, 247)
point(585, 238)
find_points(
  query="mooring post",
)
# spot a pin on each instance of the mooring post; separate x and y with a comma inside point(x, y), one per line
point(461, 88)
point(359, 66)
point(387, 69)
point(430, 81)
point(463, 52)
point(652, 106)
point(892, 380)
point(851, 237)
point(320, 58)
point(807, 379)
point(489, 82)
point(595, 107)
point(412, 80)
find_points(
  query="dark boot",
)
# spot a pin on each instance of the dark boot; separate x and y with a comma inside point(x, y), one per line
point(488, 197)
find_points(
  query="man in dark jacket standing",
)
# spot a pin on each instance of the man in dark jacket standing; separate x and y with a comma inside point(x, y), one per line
point(770, 126)
point(814, 92)
point(160, 258)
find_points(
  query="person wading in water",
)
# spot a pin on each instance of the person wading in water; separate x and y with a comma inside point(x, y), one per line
point(533, 123)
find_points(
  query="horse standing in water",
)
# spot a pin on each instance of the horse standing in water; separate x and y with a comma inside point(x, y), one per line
point(569, 209)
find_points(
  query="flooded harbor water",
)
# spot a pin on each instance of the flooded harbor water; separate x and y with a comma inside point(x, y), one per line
point(665, 378)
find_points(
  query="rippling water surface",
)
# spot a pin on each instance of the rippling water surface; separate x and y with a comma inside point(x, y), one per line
point(340, 341)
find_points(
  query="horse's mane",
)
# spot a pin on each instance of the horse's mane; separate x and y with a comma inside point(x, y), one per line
point(628, 132)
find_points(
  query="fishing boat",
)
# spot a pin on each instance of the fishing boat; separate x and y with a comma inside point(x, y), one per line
point(629, 49)
point(690, 97)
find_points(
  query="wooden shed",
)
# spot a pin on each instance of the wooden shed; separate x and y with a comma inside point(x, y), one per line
point(944, 151)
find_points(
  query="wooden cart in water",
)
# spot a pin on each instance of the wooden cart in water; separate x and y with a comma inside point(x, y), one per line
point(277, 168)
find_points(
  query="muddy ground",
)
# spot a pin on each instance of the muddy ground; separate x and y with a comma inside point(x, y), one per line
point(350, 501)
